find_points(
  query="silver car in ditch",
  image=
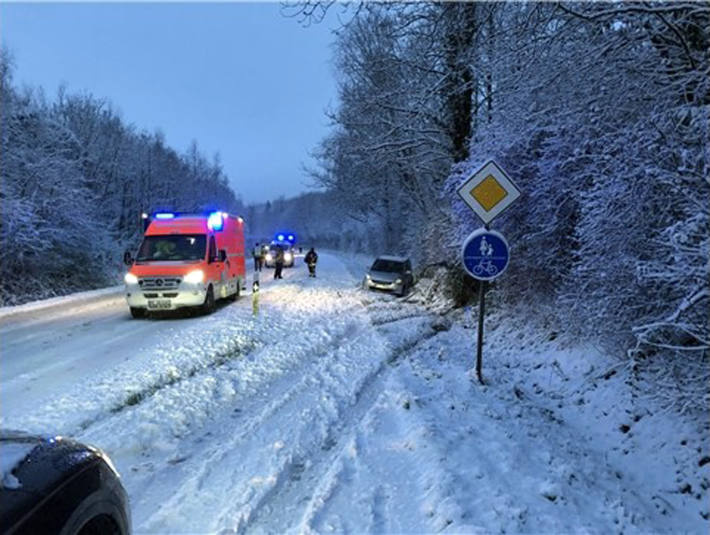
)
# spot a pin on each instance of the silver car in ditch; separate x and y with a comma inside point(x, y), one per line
point(390, 274)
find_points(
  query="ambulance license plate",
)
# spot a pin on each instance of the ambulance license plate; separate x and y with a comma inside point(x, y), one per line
point(159, 304)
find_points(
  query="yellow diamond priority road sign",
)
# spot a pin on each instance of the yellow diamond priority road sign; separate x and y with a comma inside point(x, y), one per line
point(489, 191)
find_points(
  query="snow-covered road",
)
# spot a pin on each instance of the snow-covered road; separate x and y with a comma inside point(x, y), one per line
point(334, 410)
point(49, 351)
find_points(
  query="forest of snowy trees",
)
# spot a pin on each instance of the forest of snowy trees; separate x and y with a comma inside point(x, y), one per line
point(317, 220)
point(74, 181)
point(599, 111)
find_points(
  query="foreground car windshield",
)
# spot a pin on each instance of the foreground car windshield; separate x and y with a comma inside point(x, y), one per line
point(174, 247)
point(387, 265)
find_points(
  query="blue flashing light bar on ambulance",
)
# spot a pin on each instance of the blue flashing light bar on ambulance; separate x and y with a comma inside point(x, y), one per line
point(215, 220)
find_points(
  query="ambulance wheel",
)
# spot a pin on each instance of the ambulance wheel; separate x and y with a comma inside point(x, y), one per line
point(235, 295)
point(209, 305)
point(138, 312)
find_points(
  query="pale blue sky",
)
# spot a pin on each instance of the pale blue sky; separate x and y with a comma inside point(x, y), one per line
point(241, 79)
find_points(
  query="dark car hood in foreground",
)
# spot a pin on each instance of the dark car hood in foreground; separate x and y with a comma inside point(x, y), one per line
point(50, 461)
point(384, 276)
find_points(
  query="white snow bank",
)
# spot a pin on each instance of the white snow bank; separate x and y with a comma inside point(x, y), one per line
point(357, 264)
point(80, 298)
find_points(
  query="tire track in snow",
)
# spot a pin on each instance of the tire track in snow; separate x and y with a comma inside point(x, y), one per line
point(378, 322)
point(378, 511)
point(221, 368)
point(168, 379)
point(238, 348)
point(385, 311)
point(269, 425)
point(195, 359)
point(209, 468)
point(321, 469)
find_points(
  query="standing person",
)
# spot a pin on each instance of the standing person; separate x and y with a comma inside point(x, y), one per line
point(311, 259)
point(279, 262)
point(258, 254)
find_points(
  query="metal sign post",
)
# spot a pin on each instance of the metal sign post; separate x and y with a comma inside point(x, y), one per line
point(479, 341)
point(485, 253)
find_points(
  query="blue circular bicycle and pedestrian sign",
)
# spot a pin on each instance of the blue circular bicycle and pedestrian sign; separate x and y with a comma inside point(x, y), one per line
point(485, 254)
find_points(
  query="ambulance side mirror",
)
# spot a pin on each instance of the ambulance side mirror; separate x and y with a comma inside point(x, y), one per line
point(222, 255)
point(128, 258)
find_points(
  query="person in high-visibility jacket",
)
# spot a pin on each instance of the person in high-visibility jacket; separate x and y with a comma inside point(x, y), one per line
point(258, 254)
point(311, 260)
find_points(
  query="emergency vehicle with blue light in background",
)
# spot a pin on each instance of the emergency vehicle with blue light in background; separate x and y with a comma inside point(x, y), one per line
point(186, 260)
point(286, 241)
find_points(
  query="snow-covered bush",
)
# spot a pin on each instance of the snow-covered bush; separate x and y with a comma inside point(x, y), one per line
point(606, 132)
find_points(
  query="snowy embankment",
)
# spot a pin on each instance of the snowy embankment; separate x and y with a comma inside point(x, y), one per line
point(341, 410)
point(69, 303)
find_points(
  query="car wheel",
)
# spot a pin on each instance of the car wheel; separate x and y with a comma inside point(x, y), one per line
point(101, 525)
point(209, 305)
point(100, 513)
point(138, 313)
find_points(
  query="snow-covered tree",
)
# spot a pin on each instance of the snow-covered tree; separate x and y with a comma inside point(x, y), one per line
point(75, 179)
point(599, 111)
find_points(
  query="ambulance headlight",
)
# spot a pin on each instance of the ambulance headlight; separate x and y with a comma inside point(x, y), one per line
point(130, 278)
point(195, 277)
point(269, 257)
point(287, 257)
point(398, 281)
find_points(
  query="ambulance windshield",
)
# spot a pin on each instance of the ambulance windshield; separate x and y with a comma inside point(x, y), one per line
point(174, 247)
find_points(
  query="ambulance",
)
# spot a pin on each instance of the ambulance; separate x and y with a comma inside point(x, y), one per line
point(186, 260)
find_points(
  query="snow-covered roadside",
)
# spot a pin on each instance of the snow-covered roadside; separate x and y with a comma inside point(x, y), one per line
point(357, 264)
point(660, 457)
point(547, 385)
point(611, 458)
point(342, 410)
point(83, 300)
point(516, 455)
